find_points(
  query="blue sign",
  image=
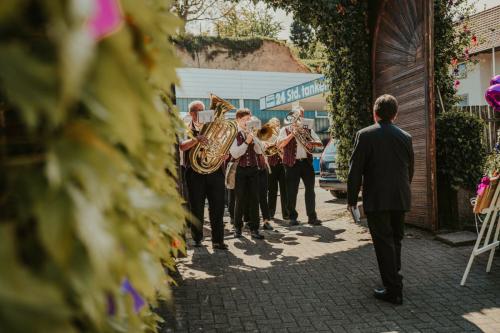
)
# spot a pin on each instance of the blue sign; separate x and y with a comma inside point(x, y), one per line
point(296, 93)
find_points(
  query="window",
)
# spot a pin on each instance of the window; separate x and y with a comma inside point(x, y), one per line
point(321, 114)
point(460, 72)
point(464, 100)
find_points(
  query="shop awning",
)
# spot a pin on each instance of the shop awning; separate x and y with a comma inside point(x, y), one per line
point(310, 95)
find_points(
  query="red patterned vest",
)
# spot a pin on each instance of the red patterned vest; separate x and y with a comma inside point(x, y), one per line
point(290, 151)
point(274, 160)
point(249, 158)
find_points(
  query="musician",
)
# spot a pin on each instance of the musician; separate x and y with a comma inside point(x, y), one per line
point(246, 152)
point(263, 173)
point(203, 186)
point(275, 178)
point(298, 165)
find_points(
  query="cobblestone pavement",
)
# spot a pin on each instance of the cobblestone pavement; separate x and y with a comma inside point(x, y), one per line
point(320, 279)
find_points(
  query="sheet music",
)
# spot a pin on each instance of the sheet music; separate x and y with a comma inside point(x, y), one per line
point(356, 215)
point(205, 117)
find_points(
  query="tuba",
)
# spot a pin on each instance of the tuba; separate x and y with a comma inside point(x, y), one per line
point(220, 133)
point(302, 135)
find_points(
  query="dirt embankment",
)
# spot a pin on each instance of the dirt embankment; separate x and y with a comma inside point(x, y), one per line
point(270, 57)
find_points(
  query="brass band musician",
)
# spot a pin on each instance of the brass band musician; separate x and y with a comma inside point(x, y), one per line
point(203, 186)
point(297, 159)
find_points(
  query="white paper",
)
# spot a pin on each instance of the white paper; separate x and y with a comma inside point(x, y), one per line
point(205, 117)
point(356, 215)
point(253, 125)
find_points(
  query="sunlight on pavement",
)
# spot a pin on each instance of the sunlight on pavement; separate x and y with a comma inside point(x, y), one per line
point(488, 320)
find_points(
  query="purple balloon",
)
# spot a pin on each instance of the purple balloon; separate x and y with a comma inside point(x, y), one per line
point(492, 96)
point(495, 80)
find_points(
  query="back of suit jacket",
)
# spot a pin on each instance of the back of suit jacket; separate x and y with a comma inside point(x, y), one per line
point(382, 163)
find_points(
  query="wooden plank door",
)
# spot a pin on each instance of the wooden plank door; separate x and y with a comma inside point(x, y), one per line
point(403, 67)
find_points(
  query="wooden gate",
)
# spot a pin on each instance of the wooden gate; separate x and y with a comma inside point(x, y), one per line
point(403, 67)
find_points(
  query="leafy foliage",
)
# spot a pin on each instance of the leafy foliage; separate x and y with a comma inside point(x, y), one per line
point(342, 27)
point(212, 46)
point(452, 40)
point(85, 141)
point(460, 151)
point(248, 20)
point(302, 36)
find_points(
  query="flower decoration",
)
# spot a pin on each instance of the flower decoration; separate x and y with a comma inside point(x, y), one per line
point(474, 40)
point(138, 300)
point(483, 185)
point(106, 19)
point(456, 84)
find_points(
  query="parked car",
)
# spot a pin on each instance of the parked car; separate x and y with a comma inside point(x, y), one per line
point(328, 176)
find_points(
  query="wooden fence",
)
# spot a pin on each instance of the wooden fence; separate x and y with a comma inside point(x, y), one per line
point(490, 117)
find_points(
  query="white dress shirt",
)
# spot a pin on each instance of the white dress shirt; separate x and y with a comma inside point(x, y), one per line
point(238, 151)
point(301, 151)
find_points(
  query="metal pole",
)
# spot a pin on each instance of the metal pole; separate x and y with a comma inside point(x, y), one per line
point(494, 32)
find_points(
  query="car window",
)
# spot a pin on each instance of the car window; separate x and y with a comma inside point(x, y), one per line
point(331, 149)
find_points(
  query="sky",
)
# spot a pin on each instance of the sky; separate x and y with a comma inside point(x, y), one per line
point(286, 20)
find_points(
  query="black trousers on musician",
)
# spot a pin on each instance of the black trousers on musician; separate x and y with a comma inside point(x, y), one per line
point(275, 178)
point(200, 188)
point(387, 231)
point(263, 187)
point(302, 169)
point(246, 193)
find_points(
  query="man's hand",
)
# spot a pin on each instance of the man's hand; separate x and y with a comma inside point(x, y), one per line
point(202, 139)
point(249, 138)
point(309, 146)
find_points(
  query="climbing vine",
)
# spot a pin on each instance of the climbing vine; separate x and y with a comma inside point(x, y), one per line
point(453, 40)
point(342, 26)
point(212, 45)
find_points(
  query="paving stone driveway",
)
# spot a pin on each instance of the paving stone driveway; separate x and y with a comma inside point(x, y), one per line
point(319, 279)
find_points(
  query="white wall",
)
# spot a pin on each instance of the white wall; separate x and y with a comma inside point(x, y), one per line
point(198, 82)
point(478, 78)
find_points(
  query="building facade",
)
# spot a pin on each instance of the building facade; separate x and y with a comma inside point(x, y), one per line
point(244, 89)
point(474, 78)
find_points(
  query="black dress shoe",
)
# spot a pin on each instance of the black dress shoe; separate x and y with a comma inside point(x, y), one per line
point(383, 295)
point(267, 226)
point(293, 223)
point(219, 246)
point(314, 222)
point(256, 235)
point(237, 233)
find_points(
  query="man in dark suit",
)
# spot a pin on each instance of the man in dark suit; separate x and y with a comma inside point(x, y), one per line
point(382, 164)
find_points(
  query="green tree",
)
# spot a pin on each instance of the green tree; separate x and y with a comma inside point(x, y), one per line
point(303, 37)
point(248, 20)
point(85, 141)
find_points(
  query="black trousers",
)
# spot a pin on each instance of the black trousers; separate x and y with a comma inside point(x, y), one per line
point(302, 169)
point(387, 230)
point(275, 178)
point(211, 187)
point(232, 199)
point(263, 186)
point(246, 193)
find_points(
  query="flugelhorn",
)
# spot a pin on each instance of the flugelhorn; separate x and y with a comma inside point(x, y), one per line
point(220, 134)
point(302, 135)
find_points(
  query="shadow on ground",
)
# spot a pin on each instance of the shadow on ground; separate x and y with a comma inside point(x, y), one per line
point(329, 292)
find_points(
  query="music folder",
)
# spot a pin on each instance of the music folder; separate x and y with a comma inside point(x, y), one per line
point(355, 214)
